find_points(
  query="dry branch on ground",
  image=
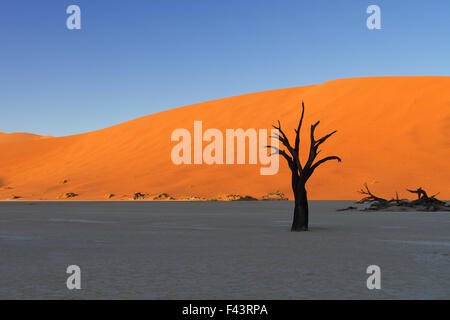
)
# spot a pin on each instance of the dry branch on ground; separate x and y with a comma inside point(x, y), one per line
point(374, 203)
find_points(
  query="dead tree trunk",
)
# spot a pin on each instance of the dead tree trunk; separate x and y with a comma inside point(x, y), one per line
point(301, 214)
point(301, 174)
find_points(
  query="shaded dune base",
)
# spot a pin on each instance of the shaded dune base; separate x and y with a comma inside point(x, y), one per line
point(393, 133)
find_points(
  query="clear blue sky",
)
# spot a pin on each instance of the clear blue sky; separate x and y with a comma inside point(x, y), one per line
point(137, 57)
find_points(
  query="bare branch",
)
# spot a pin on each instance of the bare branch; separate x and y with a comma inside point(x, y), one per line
point(434, 195)
point(285, 141)
point(323, 139)
point(420, 193)
point(299, 172)
point(318, 163)
point(371, 197)
point(367, 191)
point(312, 148)
point(313, 128)
point(285, 155)
point(297, 132)
point(314, 145)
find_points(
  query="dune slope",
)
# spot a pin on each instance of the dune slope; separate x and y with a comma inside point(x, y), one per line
point(19, 136)
point(393, 133)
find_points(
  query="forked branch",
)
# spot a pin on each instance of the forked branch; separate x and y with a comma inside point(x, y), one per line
point(293, 158)
point(285, 141)
point(284, 154)
point(370, 196)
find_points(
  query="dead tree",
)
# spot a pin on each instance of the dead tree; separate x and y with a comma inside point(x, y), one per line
point(301, 174)
point(423, 203)
point(370, 196)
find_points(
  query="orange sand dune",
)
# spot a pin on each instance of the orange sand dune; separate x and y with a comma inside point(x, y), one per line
point(19, 136)
point(393, 132)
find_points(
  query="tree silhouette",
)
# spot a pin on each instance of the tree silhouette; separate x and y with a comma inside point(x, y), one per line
point(301, 174)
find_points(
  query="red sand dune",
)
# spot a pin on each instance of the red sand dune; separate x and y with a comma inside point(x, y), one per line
point(393, 133)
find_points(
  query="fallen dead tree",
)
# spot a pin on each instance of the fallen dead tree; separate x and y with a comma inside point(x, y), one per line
point(371, 202)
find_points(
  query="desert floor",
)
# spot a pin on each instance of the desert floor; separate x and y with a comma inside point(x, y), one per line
point(216, 250)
